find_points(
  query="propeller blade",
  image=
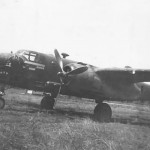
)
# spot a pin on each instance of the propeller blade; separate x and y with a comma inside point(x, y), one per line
point(58, 59)
point(77, 71)
point(62, 75)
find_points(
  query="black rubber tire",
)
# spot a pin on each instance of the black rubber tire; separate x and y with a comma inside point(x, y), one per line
point(47, 103)
point(2, 103)
point(103, 112)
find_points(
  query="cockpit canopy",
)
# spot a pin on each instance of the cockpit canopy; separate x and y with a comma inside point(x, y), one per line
point(32, 56)
point(28, 55)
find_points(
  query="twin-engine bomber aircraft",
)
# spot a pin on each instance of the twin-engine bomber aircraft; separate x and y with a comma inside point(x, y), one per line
point(53, 75)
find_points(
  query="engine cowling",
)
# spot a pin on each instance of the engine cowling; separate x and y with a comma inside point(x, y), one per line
point(72, 66)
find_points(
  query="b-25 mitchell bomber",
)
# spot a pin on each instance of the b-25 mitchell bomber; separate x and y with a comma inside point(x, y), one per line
point(53, 74)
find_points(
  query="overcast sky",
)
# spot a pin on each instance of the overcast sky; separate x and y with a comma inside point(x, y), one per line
point(104, 33)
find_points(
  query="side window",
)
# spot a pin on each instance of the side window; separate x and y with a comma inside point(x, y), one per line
point(25, 55)
point(32, 56)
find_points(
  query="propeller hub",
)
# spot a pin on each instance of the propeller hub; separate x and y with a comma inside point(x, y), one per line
point(61, 74)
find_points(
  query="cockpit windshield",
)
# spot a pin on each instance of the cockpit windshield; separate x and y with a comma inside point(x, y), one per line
point(28, 55)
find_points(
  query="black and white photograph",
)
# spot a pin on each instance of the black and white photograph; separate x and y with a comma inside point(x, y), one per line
point(74, 75)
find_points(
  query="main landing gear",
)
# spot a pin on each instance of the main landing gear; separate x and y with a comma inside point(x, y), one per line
point(102, 112)
point(47, 102)
point(2, 101)
point(51, 90)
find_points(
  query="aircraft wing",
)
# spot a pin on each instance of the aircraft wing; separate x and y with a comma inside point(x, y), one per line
point(124, 75)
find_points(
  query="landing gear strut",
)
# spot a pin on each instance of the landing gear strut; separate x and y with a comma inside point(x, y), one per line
point(102, 112)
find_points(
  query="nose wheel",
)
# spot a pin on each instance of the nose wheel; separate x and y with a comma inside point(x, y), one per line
point(103, 112)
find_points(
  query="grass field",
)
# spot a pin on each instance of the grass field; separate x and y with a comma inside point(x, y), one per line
point(71, 126)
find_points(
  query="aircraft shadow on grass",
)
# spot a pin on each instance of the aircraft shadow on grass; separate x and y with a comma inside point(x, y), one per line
point(72, 114)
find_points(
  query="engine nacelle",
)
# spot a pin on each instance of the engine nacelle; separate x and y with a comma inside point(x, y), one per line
point(72, 66)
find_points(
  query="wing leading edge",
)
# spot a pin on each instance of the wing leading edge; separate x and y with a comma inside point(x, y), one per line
point(124, 75)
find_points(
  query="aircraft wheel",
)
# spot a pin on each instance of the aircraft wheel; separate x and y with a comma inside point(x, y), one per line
point(103, 112)
point(47, 103)
point(2, 103)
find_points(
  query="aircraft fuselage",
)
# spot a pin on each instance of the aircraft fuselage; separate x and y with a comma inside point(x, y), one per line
point(38, 68)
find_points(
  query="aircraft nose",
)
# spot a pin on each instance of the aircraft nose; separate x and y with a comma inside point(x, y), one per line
point(3, 58)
